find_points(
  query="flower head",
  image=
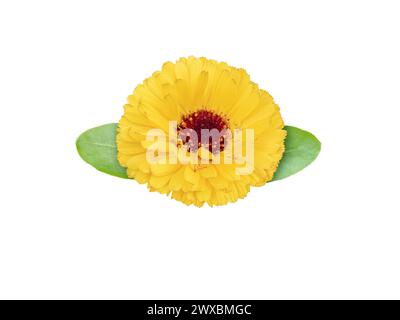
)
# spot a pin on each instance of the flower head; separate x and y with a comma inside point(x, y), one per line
point(210, 131)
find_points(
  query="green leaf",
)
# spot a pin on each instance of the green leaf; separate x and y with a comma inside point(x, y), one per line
point(97, 146)
point(301, 148)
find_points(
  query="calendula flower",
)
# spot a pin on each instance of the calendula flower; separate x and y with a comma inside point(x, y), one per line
point(160, 136)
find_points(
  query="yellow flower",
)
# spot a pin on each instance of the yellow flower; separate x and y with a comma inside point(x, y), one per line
point(196, 94)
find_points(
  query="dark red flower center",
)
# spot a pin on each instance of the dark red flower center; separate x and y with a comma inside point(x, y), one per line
point(213, 123)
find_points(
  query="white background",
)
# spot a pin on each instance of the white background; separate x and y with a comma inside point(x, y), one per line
point(68, 231)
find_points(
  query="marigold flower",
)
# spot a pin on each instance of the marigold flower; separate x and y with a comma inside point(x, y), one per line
point(198, 94)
